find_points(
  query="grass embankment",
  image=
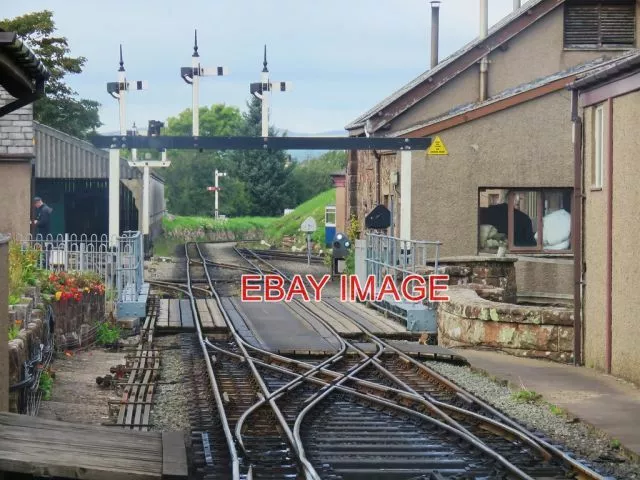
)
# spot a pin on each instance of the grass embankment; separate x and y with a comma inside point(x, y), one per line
point(178, 230)
point(289, 225)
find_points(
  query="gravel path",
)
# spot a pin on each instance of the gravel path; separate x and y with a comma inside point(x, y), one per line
point(170, 410)
point(567, 433)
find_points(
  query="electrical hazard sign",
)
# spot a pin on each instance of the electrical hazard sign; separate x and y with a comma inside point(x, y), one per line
point(437, 148)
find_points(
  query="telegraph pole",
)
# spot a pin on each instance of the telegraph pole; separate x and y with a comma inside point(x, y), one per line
point(191, 75)
point(118, 90)
point(263, 89)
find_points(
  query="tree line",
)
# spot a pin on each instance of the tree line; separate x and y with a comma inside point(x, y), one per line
point(258, 183)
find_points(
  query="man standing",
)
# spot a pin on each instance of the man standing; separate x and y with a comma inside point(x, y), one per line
point(43, 217)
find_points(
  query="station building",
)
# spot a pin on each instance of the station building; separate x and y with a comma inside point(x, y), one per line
point(501, 108)
point(607, 115)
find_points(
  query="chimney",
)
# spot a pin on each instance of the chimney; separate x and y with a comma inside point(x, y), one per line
point(484, 63)
point(516, 5)
point(435, 31)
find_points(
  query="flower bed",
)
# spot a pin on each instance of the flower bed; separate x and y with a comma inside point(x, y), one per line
point(77, 300)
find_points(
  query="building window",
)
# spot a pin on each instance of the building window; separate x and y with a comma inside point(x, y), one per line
point(597, 163)
point(600, 24)
point(526, 221)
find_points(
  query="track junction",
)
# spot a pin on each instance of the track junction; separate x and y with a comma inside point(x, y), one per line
point(353, 403)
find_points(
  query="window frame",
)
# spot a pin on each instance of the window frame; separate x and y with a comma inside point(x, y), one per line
point(599, 45)
point(598, 154)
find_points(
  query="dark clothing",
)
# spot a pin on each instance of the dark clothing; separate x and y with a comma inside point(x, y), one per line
point(43, 216)
point(498, 216)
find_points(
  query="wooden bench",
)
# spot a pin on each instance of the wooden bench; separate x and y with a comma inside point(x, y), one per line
point(40, 447)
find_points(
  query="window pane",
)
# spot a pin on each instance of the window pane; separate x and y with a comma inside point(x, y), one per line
point(557, 220)
point(525, 218)
point(492, 219)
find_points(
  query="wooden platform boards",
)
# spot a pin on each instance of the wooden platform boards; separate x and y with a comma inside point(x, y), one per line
point(176, 316)
point(40, 447)
point(357, 314)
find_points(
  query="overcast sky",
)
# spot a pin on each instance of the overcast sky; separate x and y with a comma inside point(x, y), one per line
point(343, 56)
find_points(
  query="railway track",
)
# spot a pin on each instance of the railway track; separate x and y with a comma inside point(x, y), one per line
point(369, 411)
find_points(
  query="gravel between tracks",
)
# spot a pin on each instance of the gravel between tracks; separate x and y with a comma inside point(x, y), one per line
point(170, 410)
point(581, 439)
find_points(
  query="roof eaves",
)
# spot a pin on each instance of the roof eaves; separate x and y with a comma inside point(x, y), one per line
point(18, 51)
point(618, 66)
point(506, 94)
point(360, 121)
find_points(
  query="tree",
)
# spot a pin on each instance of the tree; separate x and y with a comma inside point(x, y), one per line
point(191, 172)
point(313, 176)
point(268, 179)
point(60, 108)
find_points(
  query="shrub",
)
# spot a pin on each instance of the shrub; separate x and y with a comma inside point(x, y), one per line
point(72, 285)
point(107, 334)
point(23, 269)
point(46, 384)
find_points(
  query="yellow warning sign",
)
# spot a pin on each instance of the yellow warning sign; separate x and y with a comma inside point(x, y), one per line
point(437, 148)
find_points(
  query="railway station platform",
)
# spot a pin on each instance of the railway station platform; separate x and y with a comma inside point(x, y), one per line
point(602, 401)
point(49, 448)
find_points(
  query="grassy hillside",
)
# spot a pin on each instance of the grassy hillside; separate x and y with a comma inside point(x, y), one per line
point(290, 224)
point(178, 229)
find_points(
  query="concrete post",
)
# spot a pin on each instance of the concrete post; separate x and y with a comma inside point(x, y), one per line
point(4, 323)
point(405, 194)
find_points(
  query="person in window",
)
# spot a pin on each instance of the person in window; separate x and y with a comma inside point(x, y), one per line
point(42, 220)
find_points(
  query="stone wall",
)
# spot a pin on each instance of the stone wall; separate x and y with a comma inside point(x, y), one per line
point(16, 128)
point(496, 276)
point(528, 331)
point(74, 320)
point(16, 154)
point(30, 337)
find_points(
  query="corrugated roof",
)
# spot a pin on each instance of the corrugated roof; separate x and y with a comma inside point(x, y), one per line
point(360, 121)
point(628, 62)
point(511, 92)
point(60, 155)
point(22, 55)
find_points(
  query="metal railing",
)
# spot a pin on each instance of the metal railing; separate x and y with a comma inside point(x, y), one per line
point(119, 262)
point(129, 266)
point(398, 257)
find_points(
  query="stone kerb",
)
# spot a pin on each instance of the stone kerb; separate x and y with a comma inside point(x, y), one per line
point(529, 331)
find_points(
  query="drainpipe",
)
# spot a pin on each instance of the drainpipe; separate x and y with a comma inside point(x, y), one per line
point(378, 157)
point(435, 31)
point(609, 279)
point(516, 5)
point(576, 228)
point(484, 63)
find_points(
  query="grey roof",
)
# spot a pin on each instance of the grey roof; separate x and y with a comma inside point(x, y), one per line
point(629, 62)
point(511, 92)
point(360, 121)
point(22, 55)
point(60, 155)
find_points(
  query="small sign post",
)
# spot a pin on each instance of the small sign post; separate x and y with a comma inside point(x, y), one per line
point(308, 227)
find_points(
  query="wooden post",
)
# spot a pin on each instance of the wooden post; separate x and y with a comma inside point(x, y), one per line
point(4, 323)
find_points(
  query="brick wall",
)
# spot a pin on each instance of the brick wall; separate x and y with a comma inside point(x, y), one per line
point(16, 154)
point(16, 128)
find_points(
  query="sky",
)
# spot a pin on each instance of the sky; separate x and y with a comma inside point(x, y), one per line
point(342, 56)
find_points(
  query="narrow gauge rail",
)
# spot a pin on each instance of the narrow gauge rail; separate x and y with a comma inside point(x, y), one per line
point(394, 375)
point(267, 439)
point(282, 255)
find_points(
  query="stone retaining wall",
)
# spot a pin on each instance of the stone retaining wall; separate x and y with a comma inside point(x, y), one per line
point(30, 337)
point(528, 331)
point(73, 320)
point(489, 272)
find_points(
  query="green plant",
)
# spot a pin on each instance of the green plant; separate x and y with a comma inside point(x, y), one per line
point(524, 395)
point(353, 230)
point(556, 410)
point(107, 334)
point(23, 269)
point(615, 443)
point(46, 384)
point(14, 331)
point(14, 299)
